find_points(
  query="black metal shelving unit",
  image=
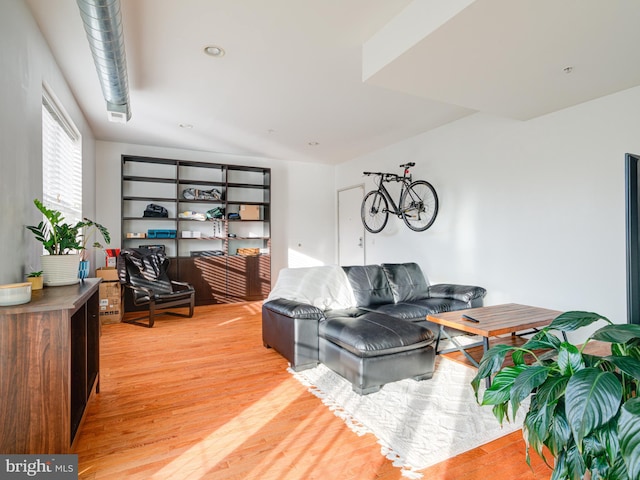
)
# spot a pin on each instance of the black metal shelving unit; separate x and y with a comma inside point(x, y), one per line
point(222, 278)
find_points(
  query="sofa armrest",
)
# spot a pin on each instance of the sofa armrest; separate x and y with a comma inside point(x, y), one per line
point(464, 293)
point(291, 328)
point(294, 309)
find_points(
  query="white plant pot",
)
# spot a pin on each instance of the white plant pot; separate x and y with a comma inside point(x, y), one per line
point(60, 270)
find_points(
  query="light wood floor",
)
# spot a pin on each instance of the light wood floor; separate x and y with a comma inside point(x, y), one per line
point(201, 398)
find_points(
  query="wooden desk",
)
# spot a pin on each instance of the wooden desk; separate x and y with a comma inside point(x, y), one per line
point(494, 321)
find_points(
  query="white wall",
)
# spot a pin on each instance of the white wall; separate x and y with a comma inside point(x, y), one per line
point(533, 211)
point(302, 200)
point(26, 62)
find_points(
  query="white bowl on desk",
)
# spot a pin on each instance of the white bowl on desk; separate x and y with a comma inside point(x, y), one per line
point(15, 294)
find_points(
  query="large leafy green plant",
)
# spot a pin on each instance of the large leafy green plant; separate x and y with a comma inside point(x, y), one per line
point(88, 228)
point(584, 408)
point(59, 238)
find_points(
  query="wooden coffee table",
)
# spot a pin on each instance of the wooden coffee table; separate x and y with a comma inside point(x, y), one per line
point(500, 323)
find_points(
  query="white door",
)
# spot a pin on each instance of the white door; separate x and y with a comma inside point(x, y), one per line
point(350, 228)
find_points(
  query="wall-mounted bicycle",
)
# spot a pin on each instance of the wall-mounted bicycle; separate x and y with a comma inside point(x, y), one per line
point(418, 205)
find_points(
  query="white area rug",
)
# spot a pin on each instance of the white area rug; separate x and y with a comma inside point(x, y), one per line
point(418, 424)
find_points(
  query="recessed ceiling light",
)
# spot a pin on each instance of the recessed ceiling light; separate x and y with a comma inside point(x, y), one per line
point(313, 144)
point(568, 69)
point(214, 51)
point(185, 125)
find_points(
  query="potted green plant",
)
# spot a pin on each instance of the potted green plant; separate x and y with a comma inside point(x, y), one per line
point(64, 244)
point(88, 229)
point(585, 409)
point(35, 279)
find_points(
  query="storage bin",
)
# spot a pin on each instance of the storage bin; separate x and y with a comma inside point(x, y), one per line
point(155, 233)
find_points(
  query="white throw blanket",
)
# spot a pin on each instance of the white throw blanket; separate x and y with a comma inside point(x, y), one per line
point(326, 287)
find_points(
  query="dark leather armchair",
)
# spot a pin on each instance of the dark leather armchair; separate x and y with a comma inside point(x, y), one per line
point(144, 272)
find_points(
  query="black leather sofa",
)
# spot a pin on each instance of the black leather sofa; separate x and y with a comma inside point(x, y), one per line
point(381, 335)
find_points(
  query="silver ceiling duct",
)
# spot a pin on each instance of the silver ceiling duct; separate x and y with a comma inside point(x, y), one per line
point(103, 23)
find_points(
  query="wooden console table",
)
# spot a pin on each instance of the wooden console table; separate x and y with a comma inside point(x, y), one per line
point(49, 367)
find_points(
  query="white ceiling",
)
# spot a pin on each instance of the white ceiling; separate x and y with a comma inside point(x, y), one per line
point(294, 70)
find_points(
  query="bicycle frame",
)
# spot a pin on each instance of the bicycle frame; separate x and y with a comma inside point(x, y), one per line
point(406, 181)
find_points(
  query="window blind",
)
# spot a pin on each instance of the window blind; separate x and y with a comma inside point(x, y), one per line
point(61, 162)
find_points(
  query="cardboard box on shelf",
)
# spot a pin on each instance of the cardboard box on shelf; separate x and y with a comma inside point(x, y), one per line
point(248, 252)
point(110, 302)
point(107, 274)
point(249, 212)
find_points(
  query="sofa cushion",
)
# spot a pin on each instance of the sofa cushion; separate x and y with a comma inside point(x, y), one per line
point(406, 281)
point(369, 284)
point(374, 334)
point(418, 310)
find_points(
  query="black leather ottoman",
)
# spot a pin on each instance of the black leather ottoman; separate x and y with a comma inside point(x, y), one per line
point(371, 350)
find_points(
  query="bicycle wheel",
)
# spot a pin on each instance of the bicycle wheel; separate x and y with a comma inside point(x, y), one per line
point(419, 206)
point(374, 211)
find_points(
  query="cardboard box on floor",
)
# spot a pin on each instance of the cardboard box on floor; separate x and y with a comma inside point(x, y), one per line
point(110, 303)
point(110, 296)
point(107, 274)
